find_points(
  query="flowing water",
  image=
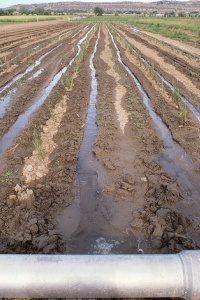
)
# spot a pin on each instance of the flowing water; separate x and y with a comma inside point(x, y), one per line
point(86, 224)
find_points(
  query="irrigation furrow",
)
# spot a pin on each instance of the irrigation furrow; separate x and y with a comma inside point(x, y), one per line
point(174, 159)
point(29, 69)
point(188, 103)
point(22, 120)
point(42, 40)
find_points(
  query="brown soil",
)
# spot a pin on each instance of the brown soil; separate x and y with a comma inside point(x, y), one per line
point(139, 197)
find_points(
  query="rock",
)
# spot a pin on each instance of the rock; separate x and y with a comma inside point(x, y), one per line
point(50, 248)
point(143, 179)
point(128, 178)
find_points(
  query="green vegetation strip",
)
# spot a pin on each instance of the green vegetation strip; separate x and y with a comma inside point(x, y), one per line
point(7, 19)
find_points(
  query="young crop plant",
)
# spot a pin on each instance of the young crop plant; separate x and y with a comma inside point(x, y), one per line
point(52, 114)
point(176, 96)
point(37, 143)
point(68, 81)
point(183, 113)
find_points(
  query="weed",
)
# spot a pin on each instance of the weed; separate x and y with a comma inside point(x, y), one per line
point(183, 113)
point(59, 166)
point(5, 177)
point(37, 143)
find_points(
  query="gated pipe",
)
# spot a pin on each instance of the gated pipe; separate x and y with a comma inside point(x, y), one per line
point(100, 276)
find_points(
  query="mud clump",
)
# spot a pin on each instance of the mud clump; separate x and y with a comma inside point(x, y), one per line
point(165, 226)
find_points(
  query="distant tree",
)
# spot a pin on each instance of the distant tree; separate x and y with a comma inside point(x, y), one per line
point(98, 11)
point(23, 10)
point(182, 14)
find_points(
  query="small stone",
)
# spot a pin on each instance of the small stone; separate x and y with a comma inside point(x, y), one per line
point(143, 179)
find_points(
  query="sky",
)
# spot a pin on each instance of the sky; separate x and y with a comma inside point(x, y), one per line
point(6, 3)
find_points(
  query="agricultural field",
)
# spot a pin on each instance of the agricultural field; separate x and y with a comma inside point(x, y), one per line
point(99, 139)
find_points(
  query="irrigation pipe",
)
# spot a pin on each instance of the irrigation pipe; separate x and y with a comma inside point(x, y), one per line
point(101, 276)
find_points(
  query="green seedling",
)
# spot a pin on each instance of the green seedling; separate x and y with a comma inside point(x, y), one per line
point(176, 96)
point(5, 177)
point(183, 113)
point(68, 81)
point(52, 114)
point(37, 144)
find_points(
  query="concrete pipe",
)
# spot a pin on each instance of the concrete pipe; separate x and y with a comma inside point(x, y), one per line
point(100, 276)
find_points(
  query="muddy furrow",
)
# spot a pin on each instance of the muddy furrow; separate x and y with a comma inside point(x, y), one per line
point(188, 135)
point(13, 120)
point(24, 64)
point(43, 186)
point(189, 191)
point(21, 58)
point(183, 63)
